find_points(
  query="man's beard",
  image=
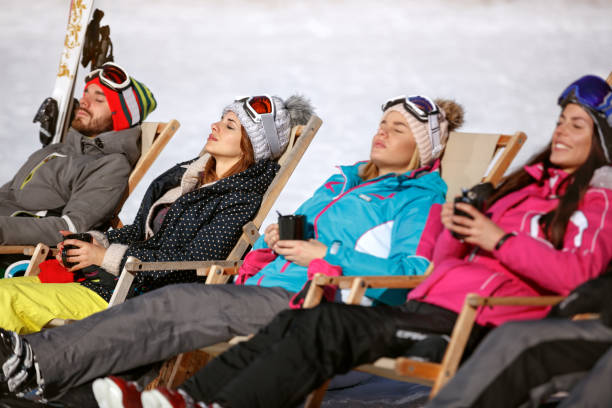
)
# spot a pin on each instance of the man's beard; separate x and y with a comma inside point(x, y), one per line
point(94, 127)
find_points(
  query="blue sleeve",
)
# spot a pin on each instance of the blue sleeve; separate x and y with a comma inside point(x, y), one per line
point(320, 197)
point(410, 253)
point(260, 243)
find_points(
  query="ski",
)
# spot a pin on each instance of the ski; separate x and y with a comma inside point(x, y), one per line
point(55, 112)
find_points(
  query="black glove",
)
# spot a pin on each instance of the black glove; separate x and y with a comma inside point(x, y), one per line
point(594, 296)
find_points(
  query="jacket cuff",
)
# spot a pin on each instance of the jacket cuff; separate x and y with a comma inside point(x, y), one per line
point(334, 253)
point(100, 237)
point(504, 253)
point(113, 257)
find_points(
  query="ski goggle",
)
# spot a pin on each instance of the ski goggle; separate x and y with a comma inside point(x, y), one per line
point(421, 107)
point(111, 75)
point(595, 96)
point(424, 110)
point(261, 109)
point(256, 106)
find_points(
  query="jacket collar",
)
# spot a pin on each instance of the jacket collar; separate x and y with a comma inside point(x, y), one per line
point(126, 142)
point(551, 179)
point(262, 170)
point(426, 177)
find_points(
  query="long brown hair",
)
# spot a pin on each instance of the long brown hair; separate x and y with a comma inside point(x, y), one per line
point(248, 158)
point(554, 223)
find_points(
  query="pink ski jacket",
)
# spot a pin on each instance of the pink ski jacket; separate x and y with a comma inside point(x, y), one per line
point(526, 264)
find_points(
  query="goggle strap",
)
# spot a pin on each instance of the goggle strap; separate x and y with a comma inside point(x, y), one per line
point(602, 141)
point(132, 105)
point(434, 135)
point(267, 120)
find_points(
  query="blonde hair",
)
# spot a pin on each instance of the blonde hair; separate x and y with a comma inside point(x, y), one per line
point(370, 170)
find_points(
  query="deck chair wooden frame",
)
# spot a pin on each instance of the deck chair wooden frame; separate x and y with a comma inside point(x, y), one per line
point(301, 137)
point(461, 165)
point(457, 157)
point(434, 374)
point(462, 160)
point(288, 161)
point(154, 137)
point(405, 369)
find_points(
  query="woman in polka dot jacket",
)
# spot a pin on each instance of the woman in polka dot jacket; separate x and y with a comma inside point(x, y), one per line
point(194, 211)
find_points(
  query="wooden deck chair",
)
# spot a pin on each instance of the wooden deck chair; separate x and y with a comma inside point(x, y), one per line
point(437, 375)
point(434, 374)
point(155, 136)
point(301, 137)
point(405, 369)
point(467, 158)
point(153, 139)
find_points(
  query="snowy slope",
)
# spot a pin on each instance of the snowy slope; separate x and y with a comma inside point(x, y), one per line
point(505, 61)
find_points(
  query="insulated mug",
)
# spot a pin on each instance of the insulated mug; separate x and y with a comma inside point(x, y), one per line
point(292, 227)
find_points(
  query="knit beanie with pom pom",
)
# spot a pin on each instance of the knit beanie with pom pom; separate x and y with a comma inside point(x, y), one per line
point(430, 122)
point(269, 132)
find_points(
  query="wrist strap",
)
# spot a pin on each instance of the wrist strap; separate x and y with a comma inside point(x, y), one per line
point(504, 239)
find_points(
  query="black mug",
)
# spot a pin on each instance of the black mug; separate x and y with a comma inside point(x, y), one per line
point(84, 236)
point(476, 197)
point(292, 227)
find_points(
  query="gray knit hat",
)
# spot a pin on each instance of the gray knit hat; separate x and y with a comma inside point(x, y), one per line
point(269, 134)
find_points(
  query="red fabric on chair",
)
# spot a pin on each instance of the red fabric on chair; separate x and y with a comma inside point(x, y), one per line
point(51, 271)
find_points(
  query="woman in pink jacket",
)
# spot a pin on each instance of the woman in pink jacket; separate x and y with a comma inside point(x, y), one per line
point(547, 229)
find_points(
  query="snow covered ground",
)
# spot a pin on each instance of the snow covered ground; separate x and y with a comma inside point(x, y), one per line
point(505, 61)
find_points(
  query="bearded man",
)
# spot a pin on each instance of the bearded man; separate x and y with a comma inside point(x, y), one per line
point(77, 184)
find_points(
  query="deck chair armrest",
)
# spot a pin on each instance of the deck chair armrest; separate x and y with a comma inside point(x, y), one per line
point(38, 255)
point(201, 267)
point(390, 282)
point(15, 249)
point(124, 283)
point(357, 284)
point(465, 322)
point(222, 270)
point(218, 274)
point(476, 301)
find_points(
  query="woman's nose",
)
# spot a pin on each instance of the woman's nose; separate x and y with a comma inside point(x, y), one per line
point(561, 128)
point(215, 126)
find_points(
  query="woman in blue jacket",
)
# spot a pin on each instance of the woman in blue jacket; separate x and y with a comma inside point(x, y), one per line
point(369, 219)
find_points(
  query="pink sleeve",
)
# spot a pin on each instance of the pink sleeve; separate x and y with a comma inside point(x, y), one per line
point(448, 247)
point(586, 253)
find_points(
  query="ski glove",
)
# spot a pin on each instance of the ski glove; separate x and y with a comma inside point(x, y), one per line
point(593, 296)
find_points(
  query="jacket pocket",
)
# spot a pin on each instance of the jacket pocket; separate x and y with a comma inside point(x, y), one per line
point(492, 285)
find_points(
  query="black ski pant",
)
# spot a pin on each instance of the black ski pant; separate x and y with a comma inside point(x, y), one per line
point(300, 349)
point(523, 363)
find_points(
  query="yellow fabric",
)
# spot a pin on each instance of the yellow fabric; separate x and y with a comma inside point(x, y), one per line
point(27, 305)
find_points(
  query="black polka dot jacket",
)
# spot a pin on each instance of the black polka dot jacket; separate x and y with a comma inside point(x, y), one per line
point(203, 224)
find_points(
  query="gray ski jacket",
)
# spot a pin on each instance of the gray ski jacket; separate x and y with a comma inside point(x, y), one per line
point(75, 185)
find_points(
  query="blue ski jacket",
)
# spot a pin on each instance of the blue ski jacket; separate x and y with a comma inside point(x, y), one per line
point(370, 228)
